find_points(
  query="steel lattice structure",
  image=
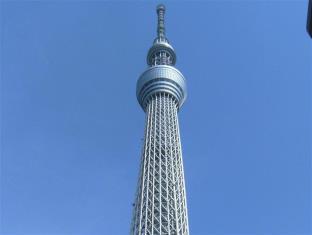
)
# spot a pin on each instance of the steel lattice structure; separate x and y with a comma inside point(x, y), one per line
point(160, 206)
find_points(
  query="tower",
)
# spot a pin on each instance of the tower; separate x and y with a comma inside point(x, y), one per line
point(160, 205)
point(309, 19)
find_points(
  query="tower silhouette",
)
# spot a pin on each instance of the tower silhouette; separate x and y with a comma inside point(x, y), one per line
point(160, 205)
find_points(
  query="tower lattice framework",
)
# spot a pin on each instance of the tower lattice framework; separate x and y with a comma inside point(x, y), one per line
point(160, 205)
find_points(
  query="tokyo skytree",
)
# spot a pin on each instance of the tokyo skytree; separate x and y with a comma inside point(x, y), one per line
point(160, 205)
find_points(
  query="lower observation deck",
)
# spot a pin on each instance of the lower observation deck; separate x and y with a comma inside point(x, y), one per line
point(161, 79)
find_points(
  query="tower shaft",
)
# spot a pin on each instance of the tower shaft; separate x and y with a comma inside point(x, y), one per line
point(160, 206)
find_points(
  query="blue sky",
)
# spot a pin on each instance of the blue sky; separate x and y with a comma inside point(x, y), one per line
point(71, 127)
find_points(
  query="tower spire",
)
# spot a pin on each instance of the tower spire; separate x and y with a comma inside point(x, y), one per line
point(161, 21)
point(161, 52)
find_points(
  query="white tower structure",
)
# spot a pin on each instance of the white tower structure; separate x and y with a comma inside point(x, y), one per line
point(160, 205)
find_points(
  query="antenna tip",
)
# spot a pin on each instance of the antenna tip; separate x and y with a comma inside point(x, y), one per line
point(161, 7)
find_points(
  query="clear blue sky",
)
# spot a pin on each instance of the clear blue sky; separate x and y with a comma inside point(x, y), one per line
point(71, 127)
